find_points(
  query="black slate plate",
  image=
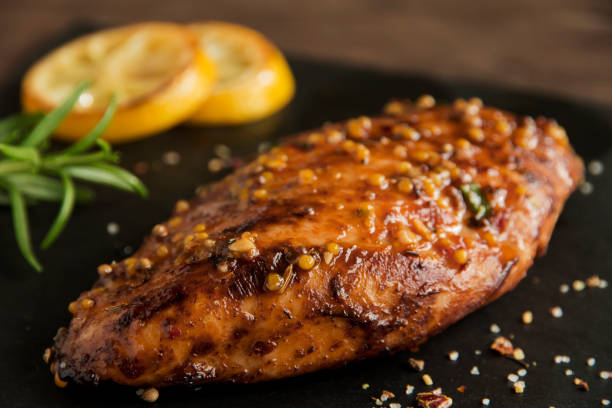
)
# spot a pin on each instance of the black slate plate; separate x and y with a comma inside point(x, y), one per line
point(33, 306)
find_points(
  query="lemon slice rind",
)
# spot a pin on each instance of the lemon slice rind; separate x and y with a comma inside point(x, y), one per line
point(153, 95)
point(254, 79)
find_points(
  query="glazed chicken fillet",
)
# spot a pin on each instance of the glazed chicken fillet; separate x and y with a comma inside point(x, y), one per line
point(359, 238)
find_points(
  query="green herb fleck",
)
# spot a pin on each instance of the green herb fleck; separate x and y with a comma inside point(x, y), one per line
point(476, 200)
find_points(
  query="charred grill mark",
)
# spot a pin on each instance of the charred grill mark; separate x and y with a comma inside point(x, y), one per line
point(239, 229)
point(304, 147)
point(390, 269)
point(240, 333)
point(303, 211)
point(301, 352)
point(291, 210)
point(131, 368)
point(336, 288)
point(285, 212)
point(202, 348)
point(291, 254)
point(220, 256)
point(249, 274)
point(84, 359)
point(144, 307)
point(248, 277)
point(245, 286)
point(261, 348)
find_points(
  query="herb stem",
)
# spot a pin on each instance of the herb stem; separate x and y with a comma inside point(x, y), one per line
point(63, 160)
point(64, 212)
point(47, 125)
point(93, 135)
point(22, 228)
point(15, 166)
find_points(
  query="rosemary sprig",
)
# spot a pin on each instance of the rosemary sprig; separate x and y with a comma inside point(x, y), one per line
point(30, 174)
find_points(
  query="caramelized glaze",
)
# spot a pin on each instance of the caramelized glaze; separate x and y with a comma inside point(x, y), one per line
point(340, 244)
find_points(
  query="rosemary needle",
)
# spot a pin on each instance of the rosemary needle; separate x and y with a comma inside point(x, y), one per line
point(49, 122)
point(64, 213)
point(10, 127)
point(29, 174)
point(90, 139)
point(22, 229)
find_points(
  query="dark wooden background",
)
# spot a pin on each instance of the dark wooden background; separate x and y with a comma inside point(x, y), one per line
point(561, 46)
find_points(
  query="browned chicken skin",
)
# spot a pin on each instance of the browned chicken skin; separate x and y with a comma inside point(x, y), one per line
point(340, 244)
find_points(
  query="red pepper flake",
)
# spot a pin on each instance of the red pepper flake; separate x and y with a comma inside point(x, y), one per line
point(173, 332)
point(503, 346)
point(583, 385)
point(461, 388)
point(433, 399)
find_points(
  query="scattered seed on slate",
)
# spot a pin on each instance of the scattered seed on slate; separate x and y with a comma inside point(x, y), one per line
point(586, 188)
point(112, 228)
point(596, 167)
point(556, 312)
point(171, 158)
point(578, 285)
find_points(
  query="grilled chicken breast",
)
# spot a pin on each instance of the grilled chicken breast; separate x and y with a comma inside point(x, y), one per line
point(361, 237)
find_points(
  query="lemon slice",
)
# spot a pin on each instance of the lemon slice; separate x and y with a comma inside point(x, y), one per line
point(254, 79)
point(157, 71)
